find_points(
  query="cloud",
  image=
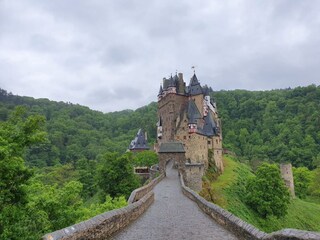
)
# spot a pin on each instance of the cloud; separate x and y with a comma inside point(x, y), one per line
point(112, 55)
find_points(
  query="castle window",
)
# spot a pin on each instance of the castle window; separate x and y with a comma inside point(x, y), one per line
point(209, 142)
point(184, 137)
point(217, 141)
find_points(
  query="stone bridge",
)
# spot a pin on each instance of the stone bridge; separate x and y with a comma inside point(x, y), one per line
point(175, 212)
point(173, 216)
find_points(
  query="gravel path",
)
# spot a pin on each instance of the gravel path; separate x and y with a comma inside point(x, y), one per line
point(173, 216)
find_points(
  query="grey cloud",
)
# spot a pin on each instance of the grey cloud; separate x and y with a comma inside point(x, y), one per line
point(112, 55)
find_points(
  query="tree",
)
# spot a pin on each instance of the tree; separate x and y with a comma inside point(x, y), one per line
point(302, 179)
point(145, 159)
point(115, 175)
point(315, 183)
point(266, 193)
point(15, 135)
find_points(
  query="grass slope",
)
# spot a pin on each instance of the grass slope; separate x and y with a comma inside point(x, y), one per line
point(228, 189)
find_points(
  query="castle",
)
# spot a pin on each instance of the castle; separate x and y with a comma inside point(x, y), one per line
point(188, 129)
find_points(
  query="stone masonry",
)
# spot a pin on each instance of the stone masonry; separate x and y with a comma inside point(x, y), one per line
point(286, 173)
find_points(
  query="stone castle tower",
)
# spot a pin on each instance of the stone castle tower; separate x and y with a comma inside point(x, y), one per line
point(286, 173)
point(188, 116)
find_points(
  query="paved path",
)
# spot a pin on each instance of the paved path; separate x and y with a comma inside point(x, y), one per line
point(173, 216)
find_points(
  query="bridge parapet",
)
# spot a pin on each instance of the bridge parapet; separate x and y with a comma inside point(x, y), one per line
point(240, 228)
point(106, 224)
point(138, 193)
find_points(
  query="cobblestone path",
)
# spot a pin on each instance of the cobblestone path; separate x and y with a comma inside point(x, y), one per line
point(173, 216)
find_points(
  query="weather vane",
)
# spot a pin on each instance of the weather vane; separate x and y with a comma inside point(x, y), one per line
point(194, 69)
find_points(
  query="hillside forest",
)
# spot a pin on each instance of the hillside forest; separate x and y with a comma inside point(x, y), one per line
point(68, 162)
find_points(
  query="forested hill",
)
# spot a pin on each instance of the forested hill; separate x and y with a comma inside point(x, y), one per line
point(277, 125)
point(77, 132)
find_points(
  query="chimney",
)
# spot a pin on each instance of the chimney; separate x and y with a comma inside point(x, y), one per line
point(182, 85)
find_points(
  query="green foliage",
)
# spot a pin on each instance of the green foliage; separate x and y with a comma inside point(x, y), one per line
point(229, 190)
point(23, 222)
point(115, 174)
point(315, 183)
point(35, 202)
point(109, 204)
point(145, 159)
point(277, 125)
point(266, 193)
point(302, 179)
point(75, 132)
point(15, 135)
point(60, 204)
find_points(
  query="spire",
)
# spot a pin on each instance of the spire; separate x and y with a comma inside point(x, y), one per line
point(194, 87)
point(139, 142)
point(194, 80)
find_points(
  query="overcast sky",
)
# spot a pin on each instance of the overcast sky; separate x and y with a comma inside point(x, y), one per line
point(112, 55)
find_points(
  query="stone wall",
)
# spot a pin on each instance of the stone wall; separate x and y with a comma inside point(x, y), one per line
point(240, 228)
point(193, 175)
point(139, 193)
point(106, 224)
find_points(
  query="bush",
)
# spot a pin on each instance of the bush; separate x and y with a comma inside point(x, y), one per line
point(266, 192)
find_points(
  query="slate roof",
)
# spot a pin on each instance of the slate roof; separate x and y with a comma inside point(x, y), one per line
point(193, 112)
point(205, 90)
point(139, 142)
point(171, 147)
point(194, 86)
point(210, 127)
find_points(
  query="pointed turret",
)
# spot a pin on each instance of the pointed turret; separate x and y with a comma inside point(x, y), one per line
point(194, 80)
point(194, 86)
point(139, 143)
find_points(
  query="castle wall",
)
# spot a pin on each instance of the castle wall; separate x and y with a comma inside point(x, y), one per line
point(195, 145)
point(193, 176)
point(217, 152)
point(169, 108)
point(175, 127)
